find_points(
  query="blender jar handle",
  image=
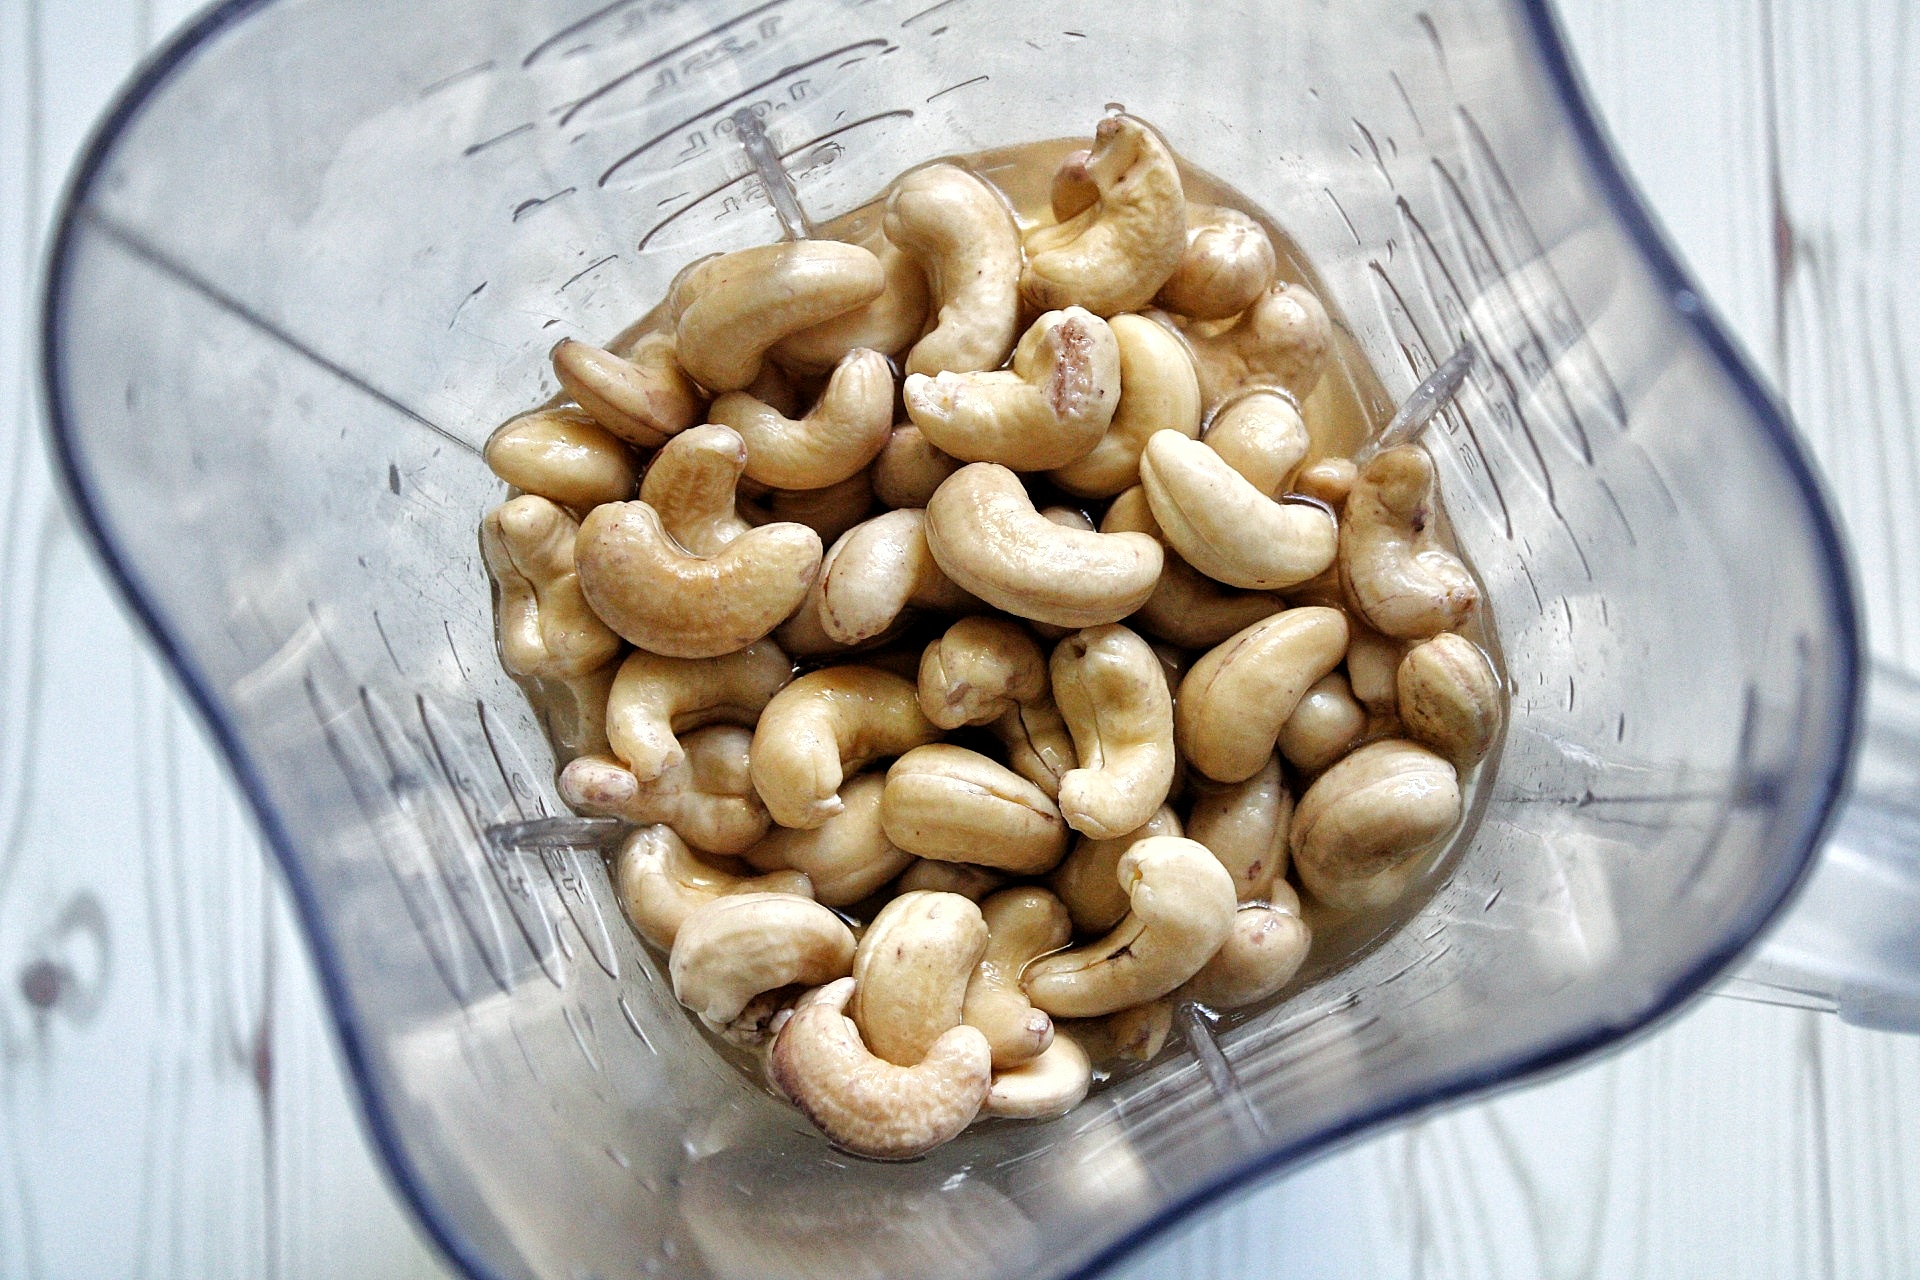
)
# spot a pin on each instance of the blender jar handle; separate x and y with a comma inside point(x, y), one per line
point(1851, 941)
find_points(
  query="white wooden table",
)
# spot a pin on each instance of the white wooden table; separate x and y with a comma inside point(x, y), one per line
point(171, 1104)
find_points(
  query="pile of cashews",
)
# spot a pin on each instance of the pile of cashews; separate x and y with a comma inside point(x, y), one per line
point(730, 645)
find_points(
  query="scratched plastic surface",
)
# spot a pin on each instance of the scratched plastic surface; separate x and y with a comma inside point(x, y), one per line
point(326, 248)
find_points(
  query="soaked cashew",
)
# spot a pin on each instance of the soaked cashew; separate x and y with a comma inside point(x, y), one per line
point(661, 883)
point(1264, 949)
point(1224, 526)
point(1282, 340)
point(963, 235)
point(888, 324)
point(825, 725)
point(1227, 263)
point(1187, 607)
point(1391, 562)
point(848, 857)
point(970, 882)
point(645, 397)
point(1072, 189)
point(1236, 697)
point(1051, 408)
point(865, 1104)
point(829, 511)
point(1139, 1033)
point(1113, 695)
point(911, 970)
point(654, 697)
point(1373, 666)
point(1088, 882)
point(979, 670)
point(1039, 748)
point(1329, 480)
point(1328, 720)
point(909, 468)
point(742, 945)
point(563, 455)
point(691, 486)
point(839, 436)
point(1114, 255)
point(1158, 391)
point(575, 711)
point(948, 803)
point(1262, 436)
point(1245, 824)
point(1182, 908)
point(729, 309)
point(1367, 817)
point(1049, 1085)
point(1022, 924)
point(707, 798)
point(662, 599)
point(876, 571)
point(984, 531)
point(547, 628)
point(1450, 697)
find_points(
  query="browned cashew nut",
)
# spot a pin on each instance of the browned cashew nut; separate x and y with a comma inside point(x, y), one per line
point(547, 629)
point(1227, 264)
point(653, 698)
point(645, 398)
point(848, 857)
point(1088, 882)
point(979, 670)
point(729, 309)
point(708, 798)
point(839, 436)
point(1159, 391)
point(909, 468)
point(1245, 824)
point(1391, 562)
point(691, 485)
point(825, 725)
point(876, 571)
point(1327, 722)
point(742, 945)
point(660, 598)
point(1023, 924)
point(1112, 693)
point(1369, 816)
point(1225, 527)
point(1282, 341)
point(888, 324)
point(564, 455)
point(963, 235)
point(1235, 698)
point(1264, 949)
point(1115, 255)
point(661, 883)
point(956, 805)
point(1450, 697)
point(911, 970)
point(866, 1104)
point(1187, 607)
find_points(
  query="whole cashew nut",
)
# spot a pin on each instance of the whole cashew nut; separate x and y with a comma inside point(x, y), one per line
point(1088, 882)
point(970, 882)
point(1049, 1085)
point(980, 669)
point(1264, 949)
point(1373, 667)
point(984, 531)
point(1182, 909)
point(563, 455)
point(1227, 264)
point(1261, 435)
point(1159, 390)
point(1112, 693)
point(644, 397)
point(1391, 562)
point(909, 468)
point(1281, 340)
point(654, 697)
point(1186, 607)
point(660, 598)
point(888, 324)
point(1140, 1032)
point(691, 485)
point(1450, 697)
point(1023, 924)
point(963, 235)
point(911, 970)
point(1039, 748)
point(1073, 189)
point(1329, 480)
point(708, 798)
point(828, 511)
point(1236, 697)
point(866, 1104)
point(1367, 817)
point(729, 309)
point(1245, 824)
point(575, 711)
point(661, 883)
point(848, 857)
point(1328, 720)
point(876, 571)
point(839, 436)
point(825, 725)
point(1115, 255)
point(741, 945)
point(955, 805)
point(1051, 408)
point(1222, 525)
point(547, 628)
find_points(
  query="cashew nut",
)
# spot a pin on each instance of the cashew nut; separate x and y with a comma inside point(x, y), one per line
point(984, 531)
point(654, 697)
point(729, 309)
point(564, 455)
point(839, 436)
point(962, 234)
point(1186, 607)
point(1222, 525)
point(1182, 908)
point(1039, 748)
point(1051, 408)
point(1115, 255)
point(1236, 697)
point(1023, 924)
point(956, 805)
point(708, 798)
point(1329, 480)
point(547, 628)
point(741, 945)
point(909, 468)
point(865, 1104)
point(887, 324)
point(829, 511)
point(1261, 435)
point(1264, 949)
point(1113, 695)
point(1049, 1085)
point(1158, 391)
point(876, 571)
point(911, 970)
point(665, 600)
point(645, 397)
point(1328, 721)
point(661, 883)
point(1072, 189)
point(1281, 340)
point(825, 725)
point(1088, 882)
point(1140, 1032)
point(848, 857)
point(1227, 263)
point(1245, 824)
point(575, 711)
point(1373, 666)
point(691, 486)
point(1391, 562)
point(1367, 817)
point(1450, 697)
point(970, 882)
point(980, 669)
